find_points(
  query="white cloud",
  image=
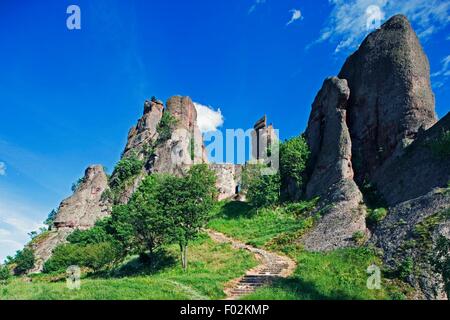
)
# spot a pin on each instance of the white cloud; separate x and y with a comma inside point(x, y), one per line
point(2, 168)
point(296, 14)
point(208, 119)
point(445, 70)
point(15, 225)
point(350, 21)
point(255, 4)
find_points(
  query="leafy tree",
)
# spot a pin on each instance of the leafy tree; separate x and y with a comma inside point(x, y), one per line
point(141, 225)
point(5, 274)
point(51, 218)
point(261, 190)
point(187, 201)
point(77, 184)
point(294, 155)
point(24, 260)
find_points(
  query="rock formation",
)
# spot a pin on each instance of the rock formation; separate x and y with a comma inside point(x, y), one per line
point(390, 95)
point(375, 125)
point(332, 174)
point(80, 211)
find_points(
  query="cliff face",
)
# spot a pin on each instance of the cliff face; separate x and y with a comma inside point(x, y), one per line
point(80, 211)
point(375, 124)
point(390, 95)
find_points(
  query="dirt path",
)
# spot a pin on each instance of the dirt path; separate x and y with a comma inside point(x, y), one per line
point(272, 266)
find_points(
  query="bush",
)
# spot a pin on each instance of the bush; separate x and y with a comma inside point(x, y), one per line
point(294, 155)
point(358, 237)
point(440, 260)
point(261, 190)
point(24, 261)
point(77, 184)
point(376, 216)
point(165, 127)
point(301, 209)
point(94, 256)
point(441, 146)
point(96, 234)
point(125, 169)
point(5, 274)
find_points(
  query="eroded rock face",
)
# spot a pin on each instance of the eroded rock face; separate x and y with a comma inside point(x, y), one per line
point(332, 174)
point(328, 137)
point(145, 131)
point(185, 147)
point(390, 95)
point(397, 235)
point(417, 170)
point(228, 179)
point(80, 211)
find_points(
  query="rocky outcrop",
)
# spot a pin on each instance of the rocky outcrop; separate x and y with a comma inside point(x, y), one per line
point(185, 147)
point(145, 132)
point(418, 169)
point(390, 95)
point(228, 179)
point(80, 211)
point(375, 125)
point(331, 170)
point(409, 233)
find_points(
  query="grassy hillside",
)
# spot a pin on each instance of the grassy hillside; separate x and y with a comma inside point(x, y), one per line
point(340, 274)
point(211, 266)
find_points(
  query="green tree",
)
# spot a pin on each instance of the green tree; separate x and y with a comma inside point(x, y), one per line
point(99, 233)
point(141, 226)
point(188, 201)
point(5, 274)
point(294, 155)
point(24, 260)
point(51, 218)
point(261, 190)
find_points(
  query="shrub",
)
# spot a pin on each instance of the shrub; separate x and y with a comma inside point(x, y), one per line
point(165, 127)
point(125, 169)
point(24, 261)
point(77, 184)
point(294, 155)
point(261, 190)
point(440, 260)
point(96, 234)
point(405, 269)
point(441, 146)
point(376, 216)
point(358, 237)
point(5, 274)
point(94, 256)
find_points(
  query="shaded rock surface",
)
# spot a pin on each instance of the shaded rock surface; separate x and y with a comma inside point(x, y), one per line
point(390, 94)
point(397, 235)
point(376, 124)
point(417, 170)
point(331, 171)
point(80, 211)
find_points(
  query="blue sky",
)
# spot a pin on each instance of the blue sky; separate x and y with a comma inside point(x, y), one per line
point(69, 97)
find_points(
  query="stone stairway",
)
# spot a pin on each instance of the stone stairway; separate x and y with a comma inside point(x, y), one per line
point(272, 266)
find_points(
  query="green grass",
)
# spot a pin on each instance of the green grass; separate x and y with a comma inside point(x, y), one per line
point(211, 266)
point(339, 274)
point(238, 220)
